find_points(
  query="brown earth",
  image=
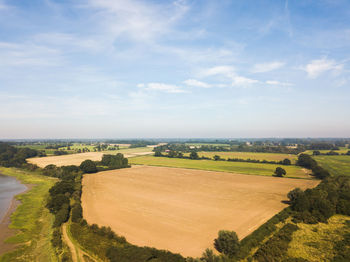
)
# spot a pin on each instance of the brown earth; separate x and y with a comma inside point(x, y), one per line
point(75, 159)
point(182, 210)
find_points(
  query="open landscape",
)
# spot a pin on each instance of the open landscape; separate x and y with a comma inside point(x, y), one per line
point(174, 131)
point(234, 167)
point(182, 210)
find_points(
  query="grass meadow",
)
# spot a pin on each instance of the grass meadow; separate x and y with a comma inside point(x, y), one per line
point(342, 150)
point(336, 165)
point(224, 166)
point(31, 219)
point(250, 155)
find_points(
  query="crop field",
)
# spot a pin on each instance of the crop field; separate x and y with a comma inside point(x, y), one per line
point(206, 144)
point(336, 165)
point(76, 159)
point(182, 210)
point(225, 166)
point(249, 155)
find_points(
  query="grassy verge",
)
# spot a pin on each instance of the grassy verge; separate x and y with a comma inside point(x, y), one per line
point(32, 220)
point(233, 167)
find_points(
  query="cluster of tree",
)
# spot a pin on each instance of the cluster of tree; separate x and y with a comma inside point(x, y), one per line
point(285, 161)
point(58, 146)
point(11, 156)
point(307, 161)
point(331, 196)
point(101, 147)
point(83, 150)
point(322, 146)
point(114, 161)
point(330, 153)
point(60, 152)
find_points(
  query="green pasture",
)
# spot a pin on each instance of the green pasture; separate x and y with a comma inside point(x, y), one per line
point(249, 155)
point(336, 165)
point(342, 150)
point(225, 166)
point(32, 220)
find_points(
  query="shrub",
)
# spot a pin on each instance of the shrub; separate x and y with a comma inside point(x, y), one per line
point(280, 172)
point(227, 243)
point(61, 216)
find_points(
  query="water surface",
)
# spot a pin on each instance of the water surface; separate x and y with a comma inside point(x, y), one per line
point(9, 187)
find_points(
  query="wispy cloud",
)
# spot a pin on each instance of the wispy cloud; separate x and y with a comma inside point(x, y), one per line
point(162, 87)
point(277, 83)
point(138, 20)
point(317, 67)
point(196, 83)
point(266, 67)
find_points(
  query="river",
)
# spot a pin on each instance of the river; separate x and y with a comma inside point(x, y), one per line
point(9, 187)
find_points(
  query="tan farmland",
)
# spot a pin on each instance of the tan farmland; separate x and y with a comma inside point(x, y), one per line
point(76, 159)
point(182, 210)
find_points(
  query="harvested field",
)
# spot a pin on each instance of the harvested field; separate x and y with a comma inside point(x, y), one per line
point(76, 159)
point(182, 210)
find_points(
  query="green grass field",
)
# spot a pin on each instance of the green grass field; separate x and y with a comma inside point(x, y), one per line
point(249, 155)
point(233, 167)
point(32, 220)
point(342, 150)
point(336, 165)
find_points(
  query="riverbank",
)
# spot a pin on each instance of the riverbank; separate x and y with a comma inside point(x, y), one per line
point(28, 222)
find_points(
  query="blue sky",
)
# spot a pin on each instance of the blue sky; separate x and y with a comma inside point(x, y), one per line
point(127, 68)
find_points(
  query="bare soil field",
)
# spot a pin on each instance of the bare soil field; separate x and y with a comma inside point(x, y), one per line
point(182, 210)
point(76, 159)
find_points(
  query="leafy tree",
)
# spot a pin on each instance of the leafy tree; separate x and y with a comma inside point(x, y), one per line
point(55, 202)
point(280, 172)
point(286, 162)
point(194, 155)
point(316, 153)
point(88, 166)
point(227, 243)
point(216, 157)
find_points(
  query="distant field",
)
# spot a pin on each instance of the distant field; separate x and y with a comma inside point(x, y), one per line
point(234, 167)
point(336, 165)
point(182, 210)
point(248, 155)
point(341, 150)
point(206, 144)
point(76, 159)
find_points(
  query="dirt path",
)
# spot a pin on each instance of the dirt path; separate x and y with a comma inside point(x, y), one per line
point(70, 244)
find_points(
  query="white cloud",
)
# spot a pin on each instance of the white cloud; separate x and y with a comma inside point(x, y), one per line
point(243, 81)
point(196, 83)
point(277, 83)
point(267, 67)
point(162, 87)
point(317, 67)
point(227, 71)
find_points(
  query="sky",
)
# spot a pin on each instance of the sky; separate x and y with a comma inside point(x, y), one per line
point(183, 68)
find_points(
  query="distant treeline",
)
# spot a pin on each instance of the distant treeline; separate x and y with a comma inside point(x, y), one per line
point(241, 148)
point(194, 156)
point(330, 153)
point(11, 156)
